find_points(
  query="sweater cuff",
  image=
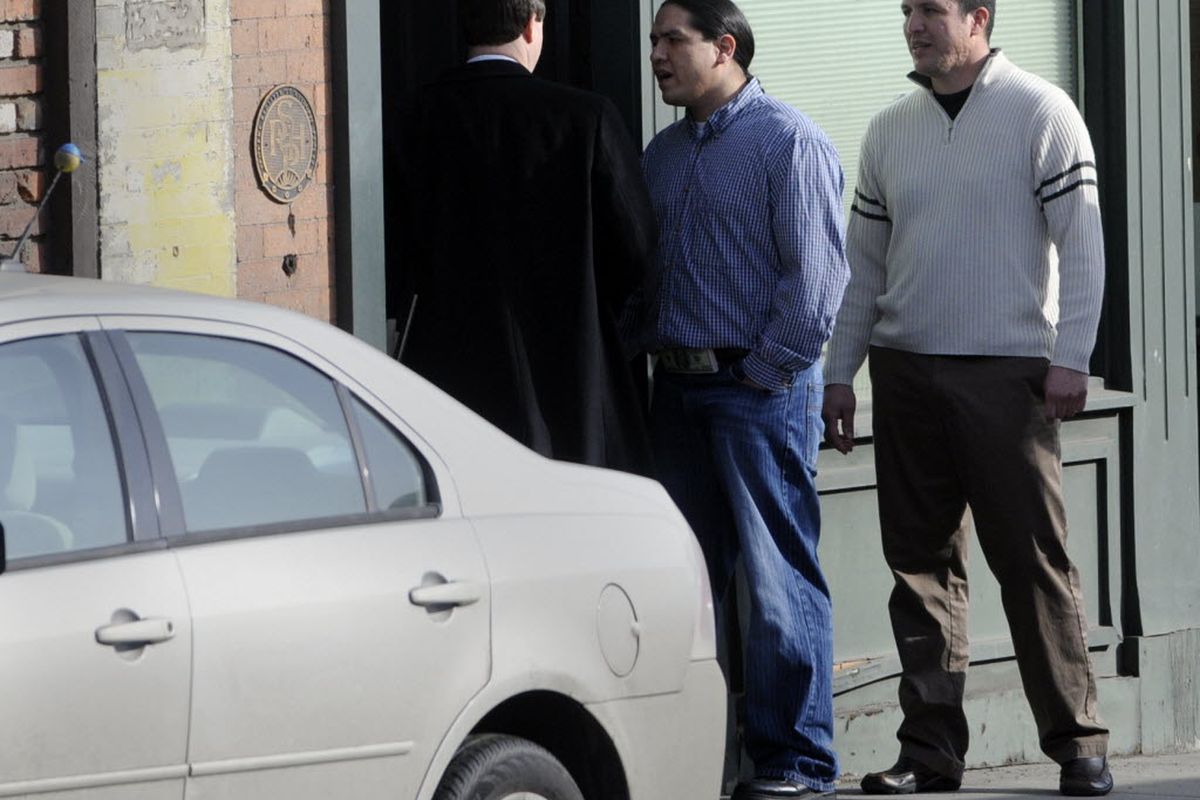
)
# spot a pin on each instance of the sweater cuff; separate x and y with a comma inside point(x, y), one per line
point(1071, 361)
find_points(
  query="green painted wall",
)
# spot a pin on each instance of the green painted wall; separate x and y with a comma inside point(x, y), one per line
point(1162, 537)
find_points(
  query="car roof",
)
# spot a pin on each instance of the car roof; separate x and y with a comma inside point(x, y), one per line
point(25, 296)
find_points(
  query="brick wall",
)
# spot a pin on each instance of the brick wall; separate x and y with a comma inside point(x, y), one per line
point(276, 42)
point(22, 155)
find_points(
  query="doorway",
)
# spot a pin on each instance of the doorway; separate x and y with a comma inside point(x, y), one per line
point(589, 44)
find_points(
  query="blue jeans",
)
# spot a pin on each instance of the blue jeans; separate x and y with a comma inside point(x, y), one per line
point(740, 463)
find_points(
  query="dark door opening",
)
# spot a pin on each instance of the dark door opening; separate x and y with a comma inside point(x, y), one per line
point(590, 44)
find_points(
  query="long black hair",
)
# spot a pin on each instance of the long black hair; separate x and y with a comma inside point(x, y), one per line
point(717, 18)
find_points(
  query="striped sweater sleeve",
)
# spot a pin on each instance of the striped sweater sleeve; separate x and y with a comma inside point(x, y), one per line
point(1065, 171)
point(867, 237)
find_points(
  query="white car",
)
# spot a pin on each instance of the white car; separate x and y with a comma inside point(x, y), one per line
point(249, 556)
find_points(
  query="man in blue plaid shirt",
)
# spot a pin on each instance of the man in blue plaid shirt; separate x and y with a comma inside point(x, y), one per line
point(749, 276)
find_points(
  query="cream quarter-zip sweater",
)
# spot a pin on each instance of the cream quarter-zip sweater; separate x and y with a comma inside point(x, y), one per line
point(951, 232)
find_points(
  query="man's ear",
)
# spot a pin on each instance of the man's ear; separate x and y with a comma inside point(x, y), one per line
point(527, 34)
point(726, 47)
point(980, 17)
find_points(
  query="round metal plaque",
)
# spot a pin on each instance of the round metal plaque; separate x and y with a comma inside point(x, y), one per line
point(285, 143)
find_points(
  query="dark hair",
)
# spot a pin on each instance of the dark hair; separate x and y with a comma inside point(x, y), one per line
point(967, 6)
point(491, 22)
point(717, 18)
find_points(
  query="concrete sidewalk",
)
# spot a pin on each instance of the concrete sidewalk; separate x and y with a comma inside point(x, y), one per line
point(1140, 777)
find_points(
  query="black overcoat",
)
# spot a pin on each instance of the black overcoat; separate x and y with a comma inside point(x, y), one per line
point(532, 230)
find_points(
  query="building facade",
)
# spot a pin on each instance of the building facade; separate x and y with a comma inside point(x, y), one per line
point(163, 96)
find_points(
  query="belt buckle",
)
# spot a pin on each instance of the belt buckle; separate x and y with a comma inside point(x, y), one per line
point(689, 361)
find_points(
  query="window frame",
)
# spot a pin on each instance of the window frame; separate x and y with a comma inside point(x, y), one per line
point(137, 498)
point(1103, 101)
point(172, 522)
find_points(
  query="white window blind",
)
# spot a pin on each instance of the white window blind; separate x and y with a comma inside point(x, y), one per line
point(842, 62)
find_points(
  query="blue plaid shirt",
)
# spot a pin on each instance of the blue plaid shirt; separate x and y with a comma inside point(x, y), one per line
point(751, 236)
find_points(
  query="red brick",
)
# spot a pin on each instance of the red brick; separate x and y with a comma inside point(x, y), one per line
point(246, 100)
point(31, 184)
point(315, 272)
point(243, 136)
point(20, 151)
point(279, 241)
point(255, 208)
point(324, 175)
point(327, 236)
point(20, 10)
point(313, 302)
point(28, 43)
point(249, 243)
point(8, 188)
point(307, 66)
point(245, 177)
point(13, 220)
point(307, 7)
point(320, 97)
point(314, 202)
point(260, 277)
point(255, 9)
point(264, 70)
point(244, 36)
point(20, 80)
point(289, 33)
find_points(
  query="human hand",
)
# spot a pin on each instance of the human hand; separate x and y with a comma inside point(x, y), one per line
point(1066, 392)
point(838, 414)
point(739, 375)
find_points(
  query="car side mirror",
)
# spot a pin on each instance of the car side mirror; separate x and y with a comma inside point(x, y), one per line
point(3, 551)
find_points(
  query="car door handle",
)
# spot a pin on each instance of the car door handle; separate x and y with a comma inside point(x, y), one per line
point(460, 593)
point(139, 632)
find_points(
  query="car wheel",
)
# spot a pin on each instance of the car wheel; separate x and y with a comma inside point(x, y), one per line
point(495, 767)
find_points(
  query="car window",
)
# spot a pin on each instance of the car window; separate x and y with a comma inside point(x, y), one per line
point(256, 436)
point(396, 473)
point(60, 488)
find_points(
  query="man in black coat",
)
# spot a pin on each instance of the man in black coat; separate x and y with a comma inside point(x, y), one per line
point(528, 228)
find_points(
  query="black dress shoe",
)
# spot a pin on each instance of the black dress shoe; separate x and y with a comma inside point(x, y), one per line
point(774, 789)
point(1086, 777)
point(908, 777)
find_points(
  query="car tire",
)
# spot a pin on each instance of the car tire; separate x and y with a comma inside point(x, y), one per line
point(496, 767)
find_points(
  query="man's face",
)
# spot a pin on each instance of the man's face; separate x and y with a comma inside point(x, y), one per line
point(938, 35)
point(684, 64)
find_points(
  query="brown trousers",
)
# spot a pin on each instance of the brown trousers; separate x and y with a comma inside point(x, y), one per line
point(958, 431)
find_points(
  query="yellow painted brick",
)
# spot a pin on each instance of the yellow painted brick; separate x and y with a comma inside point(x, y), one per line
point(163, 234)
point(199, 262)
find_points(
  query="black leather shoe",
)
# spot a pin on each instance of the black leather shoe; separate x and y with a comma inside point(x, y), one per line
point(1086, 777)
point(774, 789)
point(908, 777)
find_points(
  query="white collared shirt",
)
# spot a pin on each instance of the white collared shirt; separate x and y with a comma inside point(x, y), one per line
point(491, 57)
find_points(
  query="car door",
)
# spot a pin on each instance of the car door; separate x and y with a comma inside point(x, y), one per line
point(95, 654)
point(341, 620)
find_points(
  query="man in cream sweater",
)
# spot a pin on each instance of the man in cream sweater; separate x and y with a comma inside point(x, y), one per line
point(967, 186)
